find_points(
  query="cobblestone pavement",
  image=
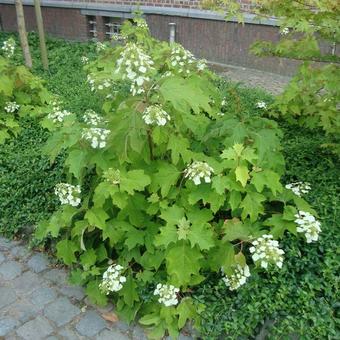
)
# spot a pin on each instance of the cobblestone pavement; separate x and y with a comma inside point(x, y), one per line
point(36, 302)
point(273, 83)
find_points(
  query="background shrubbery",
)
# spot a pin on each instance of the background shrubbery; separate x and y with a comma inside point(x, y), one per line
point(299, 300)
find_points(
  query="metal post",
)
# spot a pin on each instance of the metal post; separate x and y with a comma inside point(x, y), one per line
point(172, 35)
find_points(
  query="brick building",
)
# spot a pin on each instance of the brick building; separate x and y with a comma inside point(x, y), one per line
point(203, 32)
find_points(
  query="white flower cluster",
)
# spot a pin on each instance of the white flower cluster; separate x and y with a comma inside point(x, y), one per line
point(68, 194)
point(96, 136)
point(84, 59)
point(224, 101)
point(197, 170)
point(261, 105)
point(134, 65)
point(118, 37)
point(167, 294)
point(141, 23)
point(57, 115)
point(299, 188)
point(266, 250)
point(113, 279)
point(11, 107)
point(238, 278)
point(154, 114)
point(8, 47)
point(308, 225)
point(99, 86)
point(181, 59)
point(284, 31)
point(100, 46)
point(92, 118)
point(201, 65)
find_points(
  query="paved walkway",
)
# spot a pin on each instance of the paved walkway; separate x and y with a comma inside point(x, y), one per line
point(36, 302)
point(271, 82)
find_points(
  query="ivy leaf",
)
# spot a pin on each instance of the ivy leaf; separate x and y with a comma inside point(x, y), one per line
point(235, 199)
point(279, 225)
point(235, 230)
point(129, 291)
point(202, 235)
point(97, 217)
point(134, 237)
point(66, 250)
point(267, 178)
point(186, 310)
point(222, 255)
point(252, 205)
point(76, 161)
point(203, 192)
point(134, 180)
point(88, 258)
point(173, 214)
point(167, 236)
point(179, 146)
point(95, 294)
point(103, 191)
point(183, 262)
point(186, 94)
point(242, 174)
point(166, 177)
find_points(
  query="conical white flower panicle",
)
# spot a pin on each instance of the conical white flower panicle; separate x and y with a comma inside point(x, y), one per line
point(198, 170)
point(266, 251)
point(261, 105)
point(237, 278)
point(134, 65)
point(96, 137)
point(92, 118)
point(58, 114)
point(11, 107)
point(8, 48)
point(68, 194)
point(308, 225)
point(167, 294)
point(155, 115)
point(113, 279)
point(299, 188)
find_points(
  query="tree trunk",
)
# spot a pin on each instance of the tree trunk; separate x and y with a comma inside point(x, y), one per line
point(40, 24)
point(22, 33)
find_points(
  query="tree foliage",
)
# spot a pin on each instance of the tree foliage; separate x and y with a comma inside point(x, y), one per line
point(310, 33)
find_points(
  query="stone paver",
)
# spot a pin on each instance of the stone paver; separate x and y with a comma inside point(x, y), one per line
point(38, 328)
point(90, 324)
point(7, 296)
point(41, 297)
point(7, 325)
point(61, 311)
point(37, 302)
point(267, 81)
point(10, 270)
point(38, 263)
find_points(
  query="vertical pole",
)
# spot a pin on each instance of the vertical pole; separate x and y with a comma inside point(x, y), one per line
point(22, 33)
point(172, 35)
point(40, 24)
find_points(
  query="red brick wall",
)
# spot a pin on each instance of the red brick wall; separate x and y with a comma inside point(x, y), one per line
point(60, 22)
point(160, 3)
point(219, 41)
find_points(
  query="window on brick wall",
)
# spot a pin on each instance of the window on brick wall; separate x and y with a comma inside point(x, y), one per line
point(112, 25)
point(91, 26)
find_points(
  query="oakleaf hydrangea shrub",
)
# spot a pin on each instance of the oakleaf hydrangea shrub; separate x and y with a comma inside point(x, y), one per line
point(172, 185)
point(21, 93)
